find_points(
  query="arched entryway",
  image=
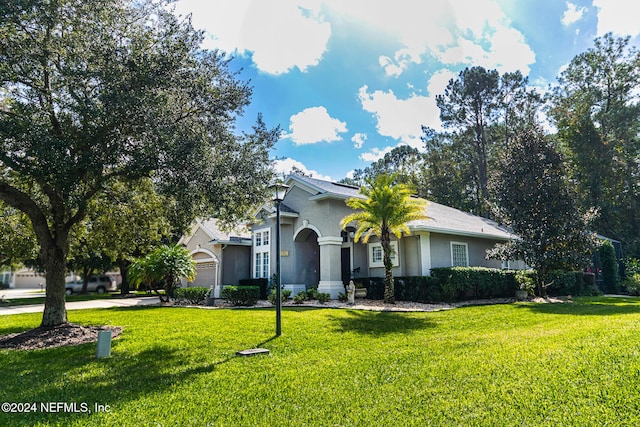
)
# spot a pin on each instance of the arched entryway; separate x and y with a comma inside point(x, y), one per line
point(307, 258)
point(207, 267)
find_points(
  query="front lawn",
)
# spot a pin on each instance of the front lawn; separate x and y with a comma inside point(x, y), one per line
point(517, 364)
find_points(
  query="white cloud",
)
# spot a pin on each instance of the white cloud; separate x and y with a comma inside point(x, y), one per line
point(375, 154)
point(400, 119)
point(313, 125)
point(454, 31)
point(401, 61)
point(390, 68)
point(285, 166)
point(280, 34)
point(358, 140)
point(573, 14)
point(617, 16)
point(508, 52)
point(439, 81)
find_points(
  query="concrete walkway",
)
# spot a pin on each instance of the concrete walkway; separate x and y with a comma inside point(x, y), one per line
point(79, 305)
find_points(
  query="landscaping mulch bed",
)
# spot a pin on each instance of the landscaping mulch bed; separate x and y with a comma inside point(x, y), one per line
point(57, 336)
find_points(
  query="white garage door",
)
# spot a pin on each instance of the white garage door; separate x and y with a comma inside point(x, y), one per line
point(206, 276)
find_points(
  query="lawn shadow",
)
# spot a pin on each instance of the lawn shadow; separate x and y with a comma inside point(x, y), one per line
point(588, 306)
point(131, 375)
point(380, 323)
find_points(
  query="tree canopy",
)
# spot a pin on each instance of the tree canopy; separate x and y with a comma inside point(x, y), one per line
point(535, 200)
point(102, 90)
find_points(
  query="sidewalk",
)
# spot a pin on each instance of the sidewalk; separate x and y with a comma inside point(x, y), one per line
point(79, 305)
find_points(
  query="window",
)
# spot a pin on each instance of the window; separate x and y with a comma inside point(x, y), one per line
point(376, 255)
point(261, 265)
point(258, 265)
point(261, 249)
point(459, 254)
point(265, 264)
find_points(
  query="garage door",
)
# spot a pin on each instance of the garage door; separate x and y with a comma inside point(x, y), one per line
point(206, 276)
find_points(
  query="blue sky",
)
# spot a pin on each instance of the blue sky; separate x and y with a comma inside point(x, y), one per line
point(348, 80)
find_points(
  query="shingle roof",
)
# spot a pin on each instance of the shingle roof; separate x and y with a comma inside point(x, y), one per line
point(445, 219)
point(218, 234)
point(328, 188)
point(442, 219)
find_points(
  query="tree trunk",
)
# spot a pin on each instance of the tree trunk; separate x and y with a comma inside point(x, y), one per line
point(86, 274)
point(55, 312)
point(123, 264)
point(389, 291)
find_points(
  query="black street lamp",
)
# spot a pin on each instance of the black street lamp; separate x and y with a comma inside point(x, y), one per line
point(279, 191)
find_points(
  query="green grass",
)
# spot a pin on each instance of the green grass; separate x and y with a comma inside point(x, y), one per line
point(519, 364)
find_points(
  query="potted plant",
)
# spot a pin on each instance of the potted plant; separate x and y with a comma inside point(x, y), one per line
point(526, 284)
point(361, 291)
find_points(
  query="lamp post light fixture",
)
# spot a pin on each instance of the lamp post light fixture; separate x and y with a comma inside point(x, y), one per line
point(278, 191)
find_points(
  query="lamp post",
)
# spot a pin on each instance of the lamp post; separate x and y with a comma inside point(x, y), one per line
point(279, 191)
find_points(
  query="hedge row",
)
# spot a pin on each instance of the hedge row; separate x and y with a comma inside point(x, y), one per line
point(572, 283)
point(464, 283)
point(192, 295)
point(241, 295)
point(262, 283)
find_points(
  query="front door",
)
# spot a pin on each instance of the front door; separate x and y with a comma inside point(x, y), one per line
point(345, 257)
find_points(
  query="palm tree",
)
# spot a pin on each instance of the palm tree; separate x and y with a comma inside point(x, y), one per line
point(385, 209)
point(167, 264)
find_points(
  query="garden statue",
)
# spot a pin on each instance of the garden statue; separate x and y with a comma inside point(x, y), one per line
point(351, 293)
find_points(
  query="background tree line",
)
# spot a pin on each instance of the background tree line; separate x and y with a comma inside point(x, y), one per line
point(594, 114)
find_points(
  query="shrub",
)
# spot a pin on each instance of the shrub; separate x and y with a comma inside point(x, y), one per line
point(526, 280)
point(631, 266)
point(572, 283)
point(632, 283)
point(323, 297)
point(284, 295)
point(342, 297)
point(4, 285)
point(241, 295)
point(418, 289)
point(312, 293)
point(193, 295)
point(459, 283)
point(610, 276)
point(262, 283)
point(299, 298)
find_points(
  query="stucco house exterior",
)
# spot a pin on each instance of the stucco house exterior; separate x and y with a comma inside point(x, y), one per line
point(315, 251)
point(221, 256)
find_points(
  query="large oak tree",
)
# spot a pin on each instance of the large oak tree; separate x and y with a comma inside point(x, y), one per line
point(95, 91)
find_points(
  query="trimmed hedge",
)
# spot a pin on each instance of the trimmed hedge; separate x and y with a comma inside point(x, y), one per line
point(241, 295)
point(463, 283)
point(193, 295)
point(408, 288)
point(574, 283)
point(262, 283)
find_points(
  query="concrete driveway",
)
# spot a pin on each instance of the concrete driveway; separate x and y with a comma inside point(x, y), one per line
point(76, 305)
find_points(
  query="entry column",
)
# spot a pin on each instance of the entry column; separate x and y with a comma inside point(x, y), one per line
point(330, 266)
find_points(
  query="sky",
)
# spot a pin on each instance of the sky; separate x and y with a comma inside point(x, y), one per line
point(349, 80)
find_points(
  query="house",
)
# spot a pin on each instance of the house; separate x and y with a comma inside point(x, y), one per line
point(221, 256)
point(315, 251)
